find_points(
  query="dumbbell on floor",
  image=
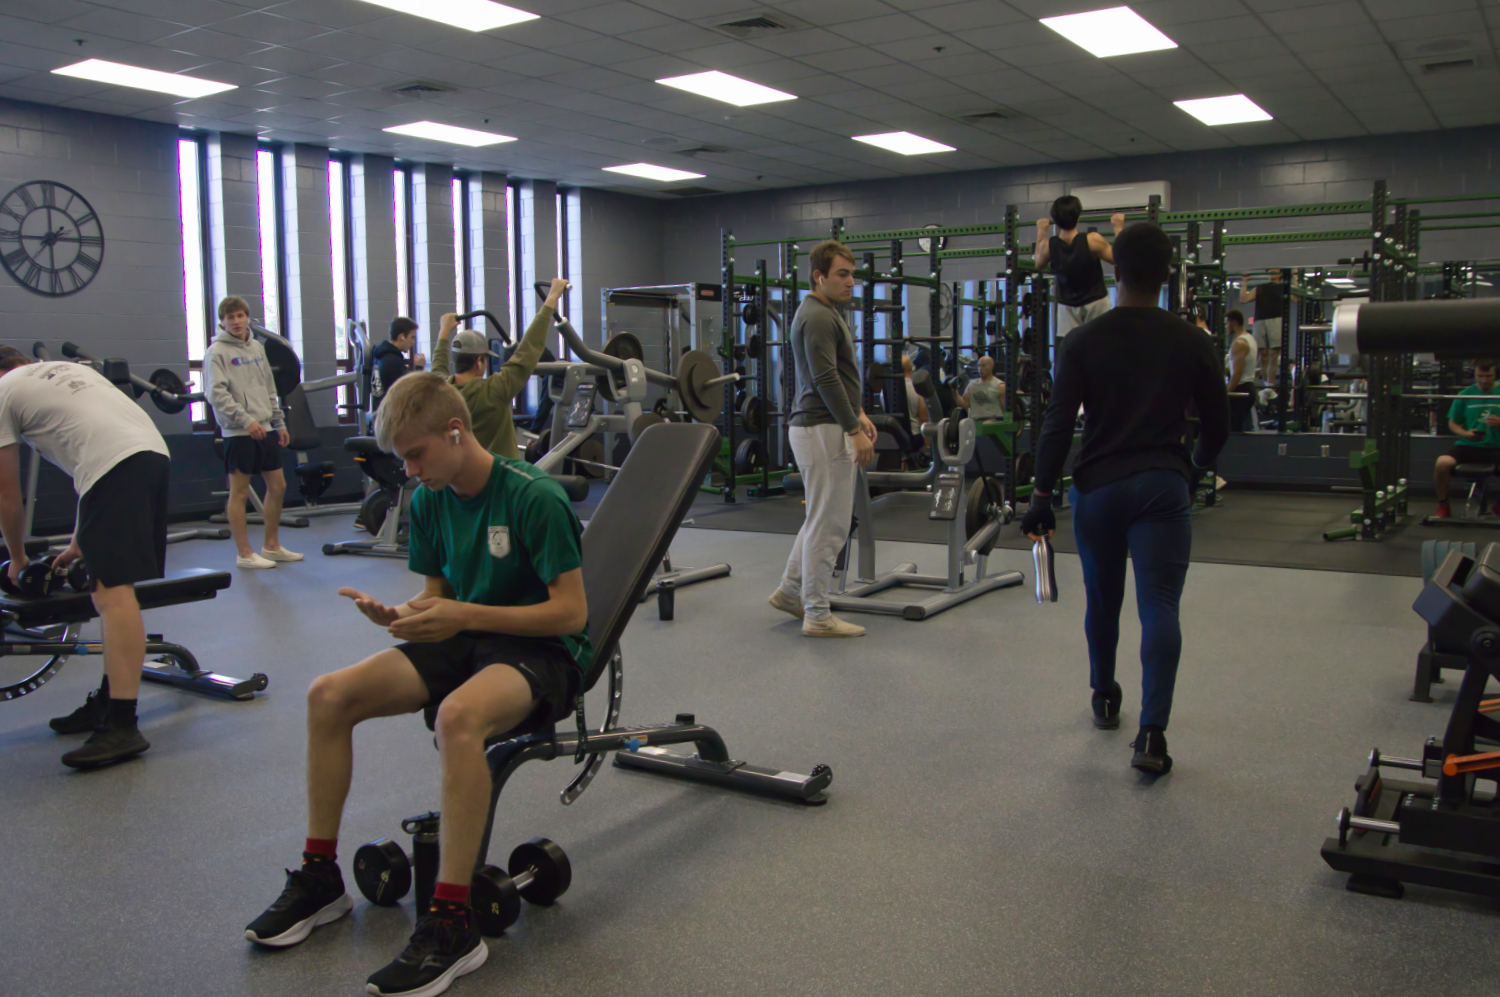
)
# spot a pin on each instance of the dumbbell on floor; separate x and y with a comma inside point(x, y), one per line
point(539, 873)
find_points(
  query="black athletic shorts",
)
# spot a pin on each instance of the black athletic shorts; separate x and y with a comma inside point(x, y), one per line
point(1475, 455)
point(251, 456)
point(122, 521)
point(553, 675)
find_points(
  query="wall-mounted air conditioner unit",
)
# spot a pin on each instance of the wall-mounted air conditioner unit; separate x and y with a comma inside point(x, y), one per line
point(1124, 196)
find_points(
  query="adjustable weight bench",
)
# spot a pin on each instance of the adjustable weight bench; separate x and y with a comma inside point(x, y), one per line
point(627, 537)
point(48, 628)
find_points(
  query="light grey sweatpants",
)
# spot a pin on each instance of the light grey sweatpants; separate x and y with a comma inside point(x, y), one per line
point(825, 456)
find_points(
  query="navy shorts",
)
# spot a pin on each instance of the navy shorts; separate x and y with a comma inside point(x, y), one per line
point(251, 456)
point(553, 675)
point(122, 521)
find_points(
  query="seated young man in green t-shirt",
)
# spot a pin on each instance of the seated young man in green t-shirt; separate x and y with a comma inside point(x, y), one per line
point(1474, 418)
point(497, 635)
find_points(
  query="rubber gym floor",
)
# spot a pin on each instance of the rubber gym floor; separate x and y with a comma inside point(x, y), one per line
point(980, 838)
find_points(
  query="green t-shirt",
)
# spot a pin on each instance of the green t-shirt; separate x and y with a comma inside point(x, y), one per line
point(1469, 412)
point(502, 547)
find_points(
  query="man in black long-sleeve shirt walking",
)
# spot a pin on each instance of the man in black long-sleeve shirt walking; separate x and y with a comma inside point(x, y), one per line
point(1134, 371)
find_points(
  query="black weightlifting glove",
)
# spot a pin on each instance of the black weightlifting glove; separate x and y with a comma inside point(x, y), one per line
point(1039, 520)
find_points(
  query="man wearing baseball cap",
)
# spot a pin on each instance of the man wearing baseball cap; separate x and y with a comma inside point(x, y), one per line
point(490, 398)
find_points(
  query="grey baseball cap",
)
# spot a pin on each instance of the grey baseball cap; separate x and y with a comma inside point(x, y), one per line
point(471, 343)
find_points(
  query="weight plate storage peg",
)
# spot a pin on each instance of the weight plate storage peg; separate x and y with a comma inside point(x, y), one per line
point(382, 872)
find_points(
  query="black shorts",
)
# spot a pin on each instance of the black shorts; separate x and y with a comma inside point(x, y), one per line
point(251, 456)
point(1475, 455)
point(553, 675)
point(122, 521)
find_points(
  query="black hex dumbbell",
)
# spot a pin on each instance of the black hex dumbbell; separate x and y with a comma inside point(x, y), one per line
point(37, 580)
point(79, 578)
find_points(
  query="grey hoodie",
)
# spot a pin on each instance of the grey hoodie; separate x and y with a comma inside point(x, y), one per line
point(240, 386)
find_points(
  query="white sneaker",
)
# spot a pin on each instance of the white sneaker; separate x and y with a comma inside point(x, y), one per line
point(279, 554)
point(831, 627)
point(254, 561)
point(780, 600)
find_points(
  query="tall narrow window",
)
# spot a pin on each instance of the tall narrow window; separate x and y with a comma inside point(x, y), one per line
point(570, 251)
point(461, 246)
point(190, 165)
point(338, 250)
point(268, 178)
point(403, 258)
point(513, 258)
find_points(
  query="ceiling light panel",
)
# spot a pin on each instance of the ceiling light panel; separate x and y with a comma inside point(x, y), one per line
point(729, 89)
point(1115, 31)
point(1232, 110)
point(449, 133)
point(905, 143)
point(651, 172)
point(120, 75)
point(472, 15)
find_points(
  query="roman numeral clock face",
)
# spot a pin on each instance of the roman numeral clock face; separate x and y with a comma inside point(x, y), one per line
point(50, 239)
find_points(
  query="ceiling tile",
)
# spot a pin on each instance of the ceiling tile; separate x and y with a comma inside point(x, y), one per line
point(288, 60)
point(891, 27)
point(326, 13)
point(108, 23)
point(809, 44)
point(210, 44)
point(849, 59)
point(603, 51)
point(672, 38)
point(973, 14)
point(344, 45)
point(1174, 14)
point(616, 18)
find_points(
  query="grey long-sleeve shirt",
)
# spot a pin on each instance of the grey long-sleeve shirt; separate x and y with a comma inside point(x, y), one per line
point(241, 387)
point(827, 368)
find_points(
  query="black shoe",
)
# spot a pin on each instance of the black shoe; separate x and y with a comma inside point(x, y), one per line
point(1107, 707)
point(1151, 751)
point(89, 716)
point(107, 744)
point(440, 952)
point(310, 899)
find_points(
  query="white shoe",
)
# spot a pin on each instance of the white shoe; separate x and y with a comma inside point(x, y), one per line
point(254, 561)
point(831, 627)
point(780, 600)
point(279, 554)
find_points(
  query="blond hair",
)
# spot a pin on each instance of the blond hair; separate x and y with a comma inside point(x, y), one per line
point(230, 305)
point(419, 402)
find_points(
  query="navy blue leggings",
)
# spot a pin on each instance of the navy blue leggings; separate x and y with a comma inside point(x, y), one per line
point(1146, 516)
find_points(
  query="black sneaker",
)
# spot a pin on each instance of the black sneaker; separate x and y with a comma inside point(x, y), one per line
point(1151, 751)
point(440, 952)
point(310, 899)
point(1107, 707)
point(89, 716)
point(107, 744)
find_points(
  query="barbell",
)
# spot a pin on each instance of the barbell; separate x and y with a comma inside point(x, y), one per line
point(167, 390)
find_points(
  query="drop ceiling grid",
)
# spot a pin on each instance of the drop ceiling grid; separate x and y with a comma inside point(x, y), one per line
point(576, 86)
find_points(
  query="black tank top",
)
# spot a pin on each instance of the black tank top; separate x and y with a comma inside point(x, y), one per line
point(1080, 277)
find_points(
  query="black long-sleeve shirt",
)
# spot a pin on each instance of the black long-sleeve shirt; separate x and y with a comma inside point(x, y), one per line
point(1134, 370)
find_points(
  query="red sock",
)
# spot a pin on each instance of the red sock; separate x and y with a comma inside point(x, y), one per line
point(326, 847)
point(452, 893)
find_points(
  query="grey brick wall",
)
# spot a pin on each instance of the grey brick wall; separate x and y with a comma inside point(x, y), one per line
point(1464, 161)
point(622, 247)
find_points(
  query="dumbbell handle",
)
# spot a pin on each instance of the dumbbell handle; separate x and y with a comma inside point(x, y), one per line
point(524, 879)
point(1367, 823)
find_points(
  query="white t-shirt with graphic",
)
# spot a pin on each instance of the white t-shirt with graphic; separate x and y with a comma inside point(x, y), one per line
point(75, 418)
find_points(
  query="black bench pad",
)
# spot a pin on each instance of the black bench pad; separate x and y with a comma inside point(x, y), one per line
point(67, 606)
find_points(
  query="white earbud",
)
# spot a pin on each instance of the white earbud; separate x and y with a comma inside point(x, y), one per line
point(454, 434)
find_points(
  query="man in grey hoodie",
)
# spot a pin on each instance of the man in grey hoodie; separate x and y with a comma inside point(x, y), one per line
point(241, 389)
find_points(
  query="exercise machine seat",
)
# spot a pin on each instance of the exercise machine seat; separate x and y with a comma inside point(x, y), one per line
point(67, 606)
point(1474, 472)
point(301, 429)
point(629, 532)
point(363, 446)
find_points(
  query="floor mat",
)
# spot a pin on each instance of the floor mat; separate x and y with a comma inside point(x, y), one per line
point(1276, 529)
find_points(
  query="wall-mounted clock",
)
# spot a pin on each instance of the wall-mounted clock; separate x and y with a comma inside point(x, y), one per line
point(51, 241)
point(925, 243)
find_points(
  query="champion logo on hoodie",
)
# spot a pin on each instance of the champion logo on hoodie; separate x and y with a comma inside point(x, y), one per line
point(237, 361)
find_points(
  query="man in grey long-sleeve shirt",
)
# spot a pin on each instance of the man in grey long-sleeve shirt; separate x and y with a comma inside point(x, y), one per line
point(241, 390)
point(830, 437)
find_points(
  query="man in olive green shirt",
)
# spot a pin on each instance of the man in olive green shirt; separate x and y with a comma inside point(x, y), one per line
point(490, 398)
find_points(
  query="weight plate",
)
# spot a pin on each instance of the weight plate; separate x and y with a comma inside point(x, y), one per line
point(945, 309)
point(494, 900)
point(645, 422)
point(951, 426)
point(626, 346)
point(591, 450)
point(166, 381)
point(537, 448)
point(286, 368)
point(551, 871)
point(984, 503)
point(749, 457)
point(703, 402)
point(753, 415)
point(876, 374)
point(1025, 468)
point(753, 346)
point(750, 314)
point(383, 872)
point(372, 511)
